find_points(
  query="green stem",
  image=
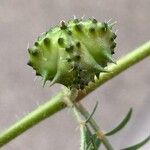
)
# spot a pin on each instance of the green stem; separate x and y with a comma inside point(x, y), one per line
point(56, 104)
point(78, 108)
point(94, 125)
point(42, 112)
point(70, 96)
point(122, 64)
point(79, 119)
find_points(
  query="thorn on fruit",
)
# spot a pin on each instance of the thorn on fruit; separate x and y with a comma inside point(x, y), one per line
point(77, 56)
point(36, 44)
point(69, 32)
point(33, 52)
point(112, 51)
point(97, 75)
point(55, 79)
point(29, 50)
point(113, 45)
point(38, 74)
point(94, 20)
point(68, 59)
point(78, 27)
point(91, 30)
point(101, 69)
point(78, 44)
point(111, 39)
point(46, 42)
point(45, 77)
point(112, 24)
point(114, 36)
point(104, 26)
point(110, 59)
point(61, 41)
point(70, 48)
point(63, 25)
point(29, 63)
point(76, 20)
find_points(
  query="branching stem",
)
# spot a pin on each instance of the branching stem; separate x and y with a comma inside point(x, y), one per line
point(56, 103)
point(94, 125)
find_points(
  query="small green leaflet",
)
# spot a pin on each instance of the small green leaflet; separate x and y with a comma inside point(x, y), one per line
point(137, 146)
point(91, 142)
point(122, 124)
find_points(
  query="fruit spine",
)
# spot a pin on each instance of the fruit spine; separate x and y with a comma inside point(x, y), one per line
point(73, 53)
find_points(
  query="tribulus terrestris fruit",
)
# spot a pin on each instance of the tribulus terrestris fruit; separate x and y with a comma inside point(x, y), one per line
point(73, 52)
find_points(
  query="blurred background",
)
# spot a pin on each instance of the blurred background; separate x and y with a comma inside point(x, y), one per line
point(21, 22)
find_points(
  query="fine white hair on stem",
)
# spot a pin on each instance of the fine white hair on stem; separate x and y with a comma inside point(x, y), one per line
point(24, 113)
point(42, 33)
point(16, 116)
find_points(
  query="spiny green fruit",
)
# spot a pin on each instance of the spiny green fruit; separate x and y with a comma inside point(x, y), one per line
point(74, 52)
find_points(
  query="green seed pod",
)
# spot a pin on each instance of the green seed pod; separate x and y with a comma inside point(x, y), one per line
point(73, 53)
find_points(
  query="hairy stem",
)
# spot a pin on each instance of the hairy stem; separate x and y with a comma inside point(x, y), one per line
point(69, 98)
point(56, 103)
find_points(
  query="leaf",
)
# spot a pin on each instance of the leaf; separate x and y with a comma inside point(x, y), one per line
point(96, 140)
point(94, 143)
point(122, 124)
point(91, 115)
point(91, 142)
point(136, 146)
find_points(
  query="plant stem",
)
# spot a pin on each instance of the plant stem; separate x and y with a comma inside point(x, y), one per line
point(69, 97)
point(95, 127)
point(32, 119)
point(78, 108)
point(122, 64)
point(56, 103)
